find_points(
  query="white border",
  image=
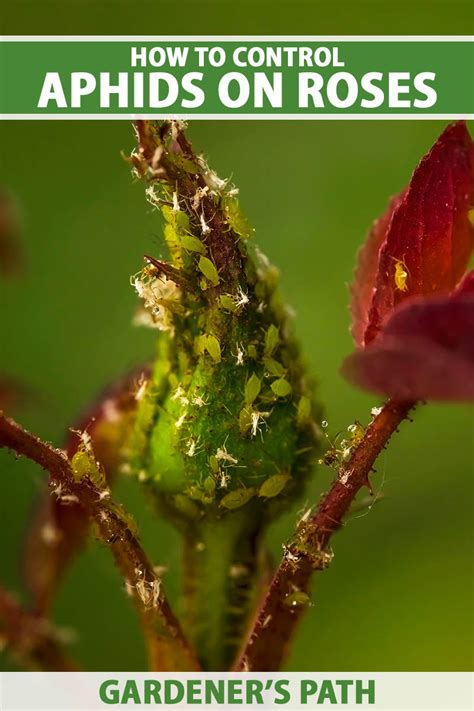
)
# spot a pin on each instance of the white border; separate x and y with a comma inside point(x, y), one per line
point(394, 691)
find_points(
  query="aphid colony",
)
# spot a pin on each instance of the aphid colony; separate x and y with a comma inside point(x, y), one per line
point(228, 391)
point(224, 434)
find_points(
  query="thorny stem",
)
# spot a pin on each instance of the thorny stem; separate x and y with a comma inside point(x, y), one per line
point(276, 620)
point(31, 638)
point(220, 240)
point(168, 648)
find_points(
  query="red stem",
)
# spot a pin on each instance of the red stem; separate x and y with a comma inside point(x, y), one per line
point(280, 611)
point(168, 648)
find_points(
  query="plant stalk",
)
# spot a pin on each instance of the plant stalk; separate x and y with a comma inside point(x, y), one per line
point(281, 609)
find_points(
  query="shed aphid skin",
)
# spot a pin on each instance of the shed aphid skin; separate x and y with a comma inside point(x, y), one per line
point(204, 226)
point(241, 298)
point(225, 428)
point(239, 355)
point(198, 195)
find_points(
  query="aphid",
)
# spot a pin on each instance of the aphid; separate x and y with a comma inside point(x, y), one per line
point(281, 387)
point(357, 432)
point(180, 394)
point(344, 477)
point(157, 292)
point(180, 421)
point(236, 499)
point(198, 196)
point(272, 338)
point(152, 197)
point(223, 455)
point(330, 457)
point(297, 599)
point(241, 298)
point(204, 226)
point(252, 388)
point(209, 270)
point(192, 244)
point(290, 556)
point(199, 401)
point(148, 592)
point(239, 356)
point(235, 217)
point(273, 486)
point(224, 479)
point(191, 450)
point(210, 344)
point(213, 181)
point(257, 419)
point(401, 276)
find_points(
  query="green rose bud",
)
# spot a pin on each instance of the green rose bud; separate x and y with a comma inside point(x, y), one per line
point(225, 431)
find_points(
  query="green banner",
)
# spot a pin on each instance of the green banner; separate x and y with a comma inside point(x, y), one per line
point(258, 77)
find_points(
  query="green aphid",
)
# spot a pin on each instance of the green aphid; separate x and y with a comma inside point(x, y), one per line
point(273, 367)
point(192, 244)
point(236, 499)
point(272, 338)
point(213, 348)
point(252, 388)
point(252, 351)
point(174, 243)
point(83, 464)
point(168, 214)
point(236, 218)
point(245, 420)
point(209, 270)
point(228, 303)
point(303, 412)
point(281, 387)
point(208, 343)
point(80, 464)
point(198, 494)
point(210, 486)
point(177, 218)
point(274, 485)
point(297, 599)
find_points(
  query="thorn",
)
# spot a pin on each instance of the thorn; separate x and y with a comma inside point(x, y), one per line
point(168, 270)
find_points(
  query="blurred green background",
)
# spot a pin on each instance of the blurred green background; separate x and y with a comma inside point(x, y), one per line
point(399, 593)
